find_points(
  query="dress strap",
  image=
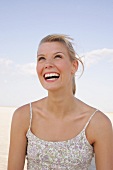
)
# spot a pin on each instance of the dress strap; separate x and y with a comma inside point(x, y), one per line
point(90, 119)
point(30, 115)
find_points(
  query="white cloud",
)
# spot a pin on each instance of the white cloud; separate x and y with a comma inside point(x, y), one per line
point(5, 66)
point(6, 62)
point(27, 69)
point(8, 67)
point(95, 56)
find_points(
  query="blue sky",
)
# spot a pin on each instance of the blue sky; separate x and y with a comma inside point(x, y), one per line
point(24, 23)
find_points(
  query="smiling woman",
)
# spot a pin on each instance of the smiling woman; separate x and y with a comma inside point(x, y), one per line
point(59, 131)
point(62, 41)
point(53, 61)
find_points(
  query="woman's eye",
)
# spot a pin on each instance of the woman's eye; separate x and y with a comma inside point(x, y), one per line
point(58, 56)
point(41, 58)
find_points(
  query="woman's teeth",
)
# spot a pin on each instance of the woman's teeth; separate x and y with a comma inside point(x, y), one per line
point(51, 76)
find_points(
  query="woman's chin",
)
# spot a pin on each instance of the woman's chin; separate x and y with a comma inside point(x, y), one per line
point(51, 88)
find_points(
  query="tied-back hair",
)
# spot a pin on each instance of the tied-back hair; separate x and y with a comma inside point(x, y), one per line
point(67, 41)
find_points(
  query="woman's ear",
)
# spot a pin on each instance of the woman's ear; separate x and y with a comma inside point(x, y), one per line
point(74, 66)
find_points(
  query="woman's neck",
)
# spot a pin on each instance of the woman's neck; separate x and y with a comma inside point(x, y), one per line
point(60, 104)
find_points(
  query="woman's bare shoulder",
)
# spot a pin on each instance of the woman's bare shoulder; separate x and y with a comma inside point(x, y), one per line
point(22, 111)
point(101, 125)
point(101, 120)
point(21, 116)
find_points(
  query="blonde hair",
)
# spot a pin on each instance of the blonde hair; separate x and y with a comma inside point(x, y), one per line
point(66, 40)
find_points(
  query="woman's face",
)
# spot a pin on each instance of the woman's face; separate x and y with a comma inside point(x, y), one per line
point(54, 67)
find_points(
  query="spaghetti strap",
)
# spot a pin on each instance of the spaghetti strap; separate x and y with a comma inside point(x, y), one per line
point(90, 119)
point(30, 116)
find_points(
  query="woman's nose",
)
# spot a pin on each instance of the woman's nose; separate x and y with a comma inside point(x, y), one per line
point(49, 63)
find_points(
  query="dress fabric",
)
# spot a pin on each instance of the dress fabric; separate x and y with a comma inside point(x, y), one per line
point(73, 154)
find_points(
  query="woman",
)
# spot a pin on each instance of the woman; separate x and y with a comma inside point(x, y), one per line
point(59, 131)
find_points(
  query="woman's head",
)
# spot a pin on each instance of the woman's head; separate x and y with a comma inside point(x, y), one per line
point(66, 41)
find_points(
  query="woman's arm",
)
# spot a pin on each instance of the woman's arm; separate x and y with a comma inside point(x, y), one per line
point(18, 141)
point(103, 145)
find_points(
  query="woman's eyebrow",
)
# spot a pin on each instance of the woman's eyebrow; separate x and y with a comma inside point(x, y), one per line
point(40, 55)
point(59, 52)
point(53, 53)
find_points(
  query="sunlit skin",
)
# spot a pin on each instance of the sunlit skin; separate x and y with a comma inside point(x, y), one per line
point(53, 57)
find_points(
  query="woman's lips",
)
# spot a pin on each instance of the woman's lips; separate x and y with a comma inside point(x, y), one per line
point(51, 76)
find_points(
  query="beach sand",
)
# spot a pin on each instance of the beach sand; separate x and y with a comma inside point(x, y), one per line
point(5, 122)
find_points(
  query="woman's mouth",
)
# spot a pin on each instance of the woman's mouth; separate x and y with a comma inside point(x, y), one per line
point(51, 76)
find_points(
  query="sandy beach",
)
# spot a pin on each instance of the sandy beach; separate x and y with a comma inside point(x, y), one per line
point(5, 121)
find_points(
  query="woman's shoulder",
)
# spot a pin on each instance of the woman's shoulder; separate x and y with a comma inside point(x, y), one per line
point(100, 127)
point(99, 117)
point(22, 113)
point(21, 117)
point(100, 120)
